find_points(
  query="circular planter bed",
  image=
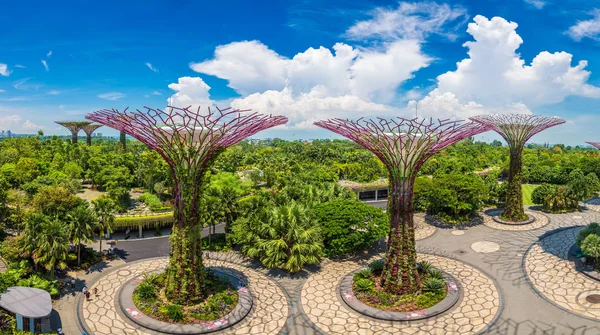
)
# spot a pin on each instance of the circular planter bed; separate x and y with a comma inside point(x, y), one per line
point(530, 219)
point(239, 312)
point(581, 266)
point(346, 291)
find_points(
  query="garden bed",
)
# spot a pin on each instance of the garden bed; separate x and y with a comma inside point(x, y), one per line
point(530, 219)
point(144, 302)
point(361, 291)
point(585, 268)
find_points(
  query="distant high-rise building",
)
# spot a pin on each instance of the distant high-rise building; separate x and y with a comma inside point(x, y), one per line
point(8, 133)
point(2, 133)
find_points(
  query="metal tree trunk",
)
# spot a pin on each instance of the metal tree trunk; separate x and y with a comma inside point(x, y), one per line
point(400, 275)
point(514, 195)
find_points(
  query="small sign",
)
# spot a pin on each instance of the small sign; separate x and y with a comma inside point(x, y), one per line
point(415, 314)
point(349, 296)
point(452, 286)
point(134, 313)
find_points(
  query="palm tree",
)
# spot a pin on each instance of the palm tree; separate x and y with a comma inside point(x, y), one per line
point(33, 227)
point(53, 245)
point(283, 237)
point(82, 223)
point(105, 210)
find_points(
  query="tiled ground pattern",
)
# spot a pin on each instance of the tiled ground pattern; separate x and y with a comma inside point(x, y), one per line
point(422, 228)
point(268, 314)
point(540, 221)
point(555, 277)
point(472, 313)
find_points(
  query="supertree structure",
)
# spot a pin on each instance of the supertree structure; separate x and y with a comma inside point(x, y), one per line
point(516, 129)
point(188, 141)
point(74, 127)
point(595, 144)
point(88, 130)
point(123, 139)
point(402, 145)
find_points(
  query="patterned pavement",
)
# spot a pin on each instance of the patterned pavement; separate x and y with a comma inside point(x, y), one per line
point(476, 310)
point(422, 229)
point(554, 277)
point(102, 315)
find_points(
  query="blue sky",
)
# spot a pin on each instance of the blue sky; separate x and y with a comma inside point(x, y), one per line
point(368, 58)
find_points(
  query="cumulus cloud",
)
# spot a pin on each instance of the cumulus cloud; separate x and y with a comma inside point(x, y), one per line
point(191, 91)
point(152, 68)
point(345, 81)
point(15, 123)
point(586, 28)
point(111, 96)
point(4, 70)
point(410, 21)
point(496, 78)
point(45, 65)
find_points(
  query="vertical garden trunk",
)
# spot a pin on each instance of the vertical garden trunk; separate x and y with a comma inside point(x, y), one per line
point(400, 275)
point(123, 140)
point(514, 195)
point(185, 272)
point(88, 139)
point(73, 137)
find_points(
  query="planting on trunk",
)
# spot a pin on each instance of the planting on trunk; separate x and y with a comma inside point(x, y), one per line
point(516, 129)
point(402, 145)
point(188, 141)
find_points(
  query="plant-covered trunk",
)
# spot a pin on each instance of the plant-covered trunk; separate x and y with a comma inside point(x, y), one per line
point(123, 140)
point(88, 139)
point(73, 137)
point(514, 195)
point(400, 275)
point(185, 272)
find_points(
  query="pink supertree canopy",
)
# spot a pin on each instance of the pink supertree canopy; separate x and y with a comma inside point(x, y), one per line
point(595, 144)
point(403, 143)
point(182, 135)
point(517, 129)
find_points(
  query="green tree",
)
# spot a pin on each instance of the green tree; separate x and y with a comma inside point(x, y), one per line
point(17, 201)
point(350, 225)
point(104, 208)
point(52, 245)
point(54, 201)
point(283, 237)
point(82, 223)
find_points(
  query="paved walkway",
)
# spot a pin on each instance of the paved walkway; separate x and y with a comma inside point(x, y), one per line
point(492, 255)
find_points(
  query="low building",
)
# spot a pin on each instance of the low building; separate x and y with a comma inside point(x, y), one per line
point(374, 194)
point(30, 306)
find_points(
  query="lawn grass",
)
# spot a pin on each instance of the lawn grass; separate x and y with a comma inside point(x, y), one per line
point(527, 190)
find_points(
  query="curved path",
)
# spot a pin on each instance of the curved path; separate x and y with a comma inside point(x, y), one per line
point(524, 311)
point(103, 315)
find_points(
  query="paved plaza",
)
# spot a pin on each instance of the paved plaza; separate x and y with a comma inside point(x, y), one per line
point(515, 280)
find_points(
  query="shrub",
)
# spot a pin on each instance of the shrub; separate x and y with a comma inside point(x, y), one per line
point(377, 265)
point(35, 281)
point(153, 202)
point(174, 312)
point(424, 266)
point(218, 242)
point(592, 228)
point(454, 197)
point(435, 273)
point(434, 285)
point(428, 299)
point(364, 285)
point(364, 273)
point(591, 246)
point(146, 292)
point(350, 225)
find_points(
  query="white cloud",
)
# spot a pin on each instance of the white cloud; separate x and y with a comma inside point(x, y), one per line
point(20, 66)
point(4, 70)
point(156, 93)
point(250, 67)
point(539, 4)
point(15, 123)
point(28, 125)
point(2, 91)
point(410, 21)
point(191, 91)
point(49, 53)
point(111, 96)
point(495, 77)
point(151, 67)
point(45, 65)
point(586, 28)
point(345, 81)
point(54, 92)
